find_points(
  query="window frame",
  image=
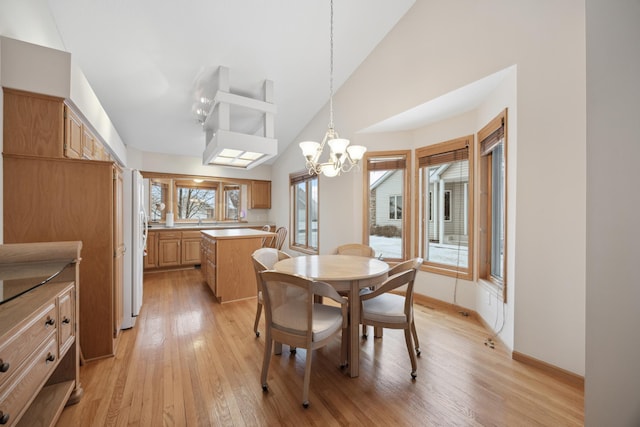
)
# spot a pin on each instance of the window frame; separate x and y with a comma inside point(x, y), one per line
point(406, 197)
point(294, 180)
point(492, 135)
point(393, 215)
point(215, 187)
point(422, 220)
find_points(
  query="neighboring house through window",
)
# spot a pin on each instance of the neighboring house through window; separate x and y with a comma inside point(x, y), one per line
point(387, 178)
point(445, 203)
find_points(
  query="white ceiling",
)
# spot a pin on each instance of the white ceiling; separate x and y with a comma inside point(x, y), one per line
point(143, 58)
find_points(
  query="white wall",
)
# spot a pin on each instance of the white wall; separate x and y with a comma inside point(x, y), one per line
point(438, 47)
point(612, 384)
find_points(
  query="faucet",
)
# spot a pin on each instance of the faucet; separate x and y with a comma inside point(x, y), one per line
point(199, 221)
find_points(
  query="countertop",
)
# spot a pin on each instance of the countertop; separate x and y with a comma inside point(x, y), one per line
point(209, 226)
point(237, 233)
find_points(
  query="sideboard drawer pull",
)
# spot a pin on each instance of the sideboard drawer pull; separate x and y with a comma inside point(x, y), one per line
point(50, 321)
point(50, 358)
point(4, 366)
point(4, 418)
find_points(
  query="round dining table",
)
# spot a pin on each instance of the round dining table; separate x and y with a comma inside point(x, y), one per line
point(347, 274)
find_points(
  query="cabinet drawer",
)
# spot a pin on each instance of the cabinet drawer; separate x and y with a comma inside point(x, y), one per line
point(26, 339)
point(163, 235)
point(191, 234)
point(66, 329)
point(16, 395)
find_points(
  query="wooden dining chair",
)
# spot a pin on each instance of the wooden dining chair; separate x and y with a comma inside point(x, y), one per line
point(266, 241)
point(388, 310)
point(356, 249)
point(264, 259)
point(278, 240)
point(292, 317)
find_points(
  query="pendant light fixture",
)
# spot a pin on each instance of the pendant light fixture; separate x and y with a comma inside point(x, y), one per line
point(342, 156)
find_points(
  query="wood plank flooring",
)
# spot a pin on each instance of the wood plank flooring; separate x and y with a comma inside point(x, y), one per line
point(190, 361)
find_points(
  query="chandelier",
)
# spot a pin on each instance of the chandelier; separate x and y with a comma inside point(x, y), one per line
point(342, 157)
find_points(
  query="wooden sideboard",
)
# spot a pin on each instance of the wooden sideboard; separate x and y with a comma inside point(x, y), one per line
point(226, 262)
point(39, 347)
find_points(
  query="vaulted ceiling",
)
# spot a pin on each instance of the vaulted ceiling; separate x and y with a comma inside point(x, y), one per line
point(146, 59)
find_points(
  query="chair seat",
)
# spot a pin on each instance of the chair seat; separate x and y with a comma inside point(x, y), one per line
point(386, 308)
point(326, 319)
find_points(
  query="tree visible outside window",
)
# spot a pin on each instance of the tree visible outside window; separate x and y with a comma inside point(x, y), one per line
point(195, 202)
point(231, 202)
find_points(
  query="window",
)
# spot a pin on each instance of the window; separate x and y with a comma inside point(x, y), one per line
point(195, 201)
point(231, 202)
point(158, 194)
point(387, 179)
point(493, 166)
point(445, 203)
point(395, 207)
point(193, 198)
point(304, 217)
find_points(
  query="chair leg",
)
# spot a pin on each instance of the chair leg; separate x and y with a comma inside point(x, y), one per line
point(412, 356)
point(344, 349)
point(377, 332)
point(255, 324)
point(265, 362)
point(364, 331)
point(307, 379)
point(416, 343)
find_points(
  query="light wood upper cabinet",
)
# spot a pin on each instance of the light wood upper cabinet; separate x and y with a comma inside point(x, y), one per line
point(260, 195)
point(73, 135)
point(33, 124)
point(44, 126)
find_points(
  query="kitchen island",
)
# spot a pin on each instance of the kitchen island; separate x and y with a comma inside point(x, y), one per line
point(226, 261)
point(180, 246)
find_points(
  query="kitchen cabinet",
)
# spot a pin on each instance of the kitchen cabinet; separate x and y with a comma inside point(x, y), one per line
point(57, 199)
point(229, 270)
point(260, 195)
point(73, 135)
point(190, 248)
point(45, 126)
point(169, 248)
point(151, 260)
point(39, 348)
point(172, 248)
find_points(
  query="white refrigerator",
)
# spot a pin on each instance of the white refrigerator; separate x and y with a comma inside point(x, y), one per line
point(135, 236)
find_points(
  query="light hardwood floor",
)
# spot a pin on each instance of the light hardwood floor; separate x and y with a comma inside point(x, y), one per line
point(190, 361)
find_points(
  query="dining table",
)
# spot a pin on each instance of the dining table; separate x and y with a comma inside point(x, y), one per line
point(348, 274)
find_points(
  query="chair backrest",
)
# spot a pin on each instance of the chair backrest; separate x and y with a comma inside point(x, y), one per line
point(356, 249)
point(405, 265)
point(401, 275)
point(288, 302)
point(266, 241)
point(278, 241)
point(265, 259)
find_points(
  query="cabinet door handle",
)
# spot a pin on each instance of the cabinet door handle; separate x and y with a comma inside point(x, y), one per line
point(4, 418)
point(66, 320)
point(50, 358)
point(50, 322)
point(4, 366)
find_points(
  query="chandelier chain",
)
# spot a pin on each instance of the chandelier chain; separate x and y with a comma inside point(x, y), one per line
point(331, 70)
